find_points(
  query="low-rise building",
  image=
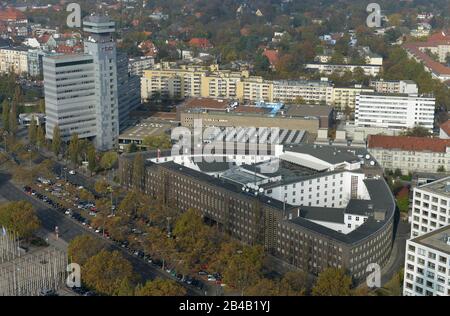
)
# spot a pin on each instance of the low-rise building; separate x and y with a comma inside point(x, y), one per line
point(411, 154)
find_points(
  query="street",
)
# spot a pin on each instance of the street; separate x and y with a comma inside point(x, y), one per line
point(69, 229)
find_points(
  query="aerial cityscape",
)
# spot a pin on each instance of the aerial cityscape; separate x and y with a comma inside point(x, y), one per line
point(232, 148)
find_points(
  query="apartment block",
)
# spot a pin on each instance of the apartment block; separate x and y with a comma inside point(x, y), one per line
point(345, 97)
point(13, 60)
point(427, 264)
point(328, 69)
point(394, 111)
point(431, 207)
point(394, 86)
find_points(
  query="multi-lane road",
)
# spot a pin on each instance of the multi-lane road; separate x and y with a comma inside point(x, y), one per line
point(69, 229)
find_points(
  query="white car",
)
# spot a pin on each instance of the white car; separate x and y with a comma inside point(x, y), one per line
point(72, 172)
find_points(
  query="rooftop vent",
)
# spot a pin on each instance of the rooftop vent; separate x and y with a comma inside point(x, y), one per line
point(379, 215)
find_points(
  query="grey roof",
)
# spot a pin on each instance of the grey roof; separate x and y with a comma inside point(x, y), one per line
point(217, 166)
point(381, 198)
point(324, 214)
point(330, 154)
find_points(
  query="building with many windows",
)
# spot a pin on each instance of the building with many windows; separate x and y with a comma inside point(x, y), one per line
point(431, 207)
point(410, 154)
point(394, 86)
point(311, 206)
point(394, 111)
point(13, 60)
point(427, 264)
point(81, 90)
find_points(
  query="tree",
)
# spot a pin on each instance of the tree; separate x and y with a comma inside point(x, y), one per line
point(244, 268)
point(132, 148)
point(56, 142)
point(294, 283)
point(92, 159)
point(19, 217)
point(82, 248)
point(5, 115)
point(74, 149)
point(101, 187)
point(332, 282)
point(40, 137)
point(160, 287)
point(107, 272)
point(263, 287)
point(138, 171)
point(108, 160)
point(41, 106)
point(157, 142)
point(417, 131)
point(32, 131)
point(441, 169)
point(13, 120)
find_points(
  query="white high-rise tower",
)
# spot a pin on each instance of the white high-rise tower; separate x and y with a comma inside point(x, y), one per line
point(102, 47)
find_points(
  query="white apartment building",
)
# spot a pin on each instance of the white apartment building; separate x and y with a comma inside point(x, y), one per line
point(309, 91)
point(136, 66)
point(427, 264)
point(394, 111)
point(431, 207)
point(328, 69)
point(13, 60)
point(394, 86)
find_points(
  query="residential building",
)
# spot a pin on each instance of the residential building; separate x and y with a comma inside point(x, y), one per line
point(345, 97)
point(427, 264)
point(394, 86)
point(410, 154)
point(431, 207)
point(437, 44)
point(394, 111)
point(136, 66)
point(444, 130)
point(328, 69)
point(13, 60)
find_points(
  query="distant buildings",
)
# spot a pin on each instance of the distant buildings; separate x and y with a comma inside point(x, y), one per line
point(394, 111)
point(328, 69)
point(427, 264)
point(13, 60)
point(212, 82)
point(410, 154)
point(222, 113)
point(438, 44)
point(136, 66)
point(394, 86)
